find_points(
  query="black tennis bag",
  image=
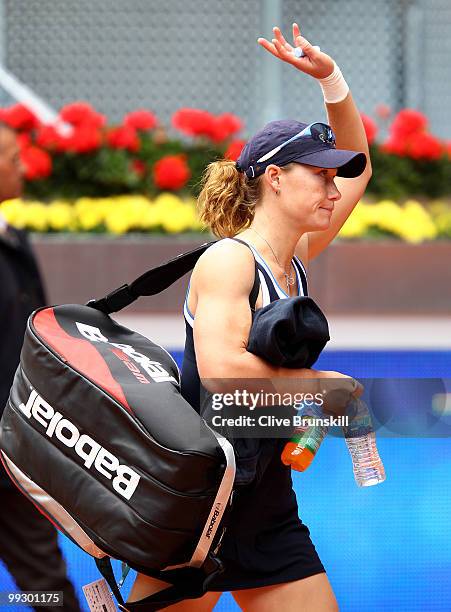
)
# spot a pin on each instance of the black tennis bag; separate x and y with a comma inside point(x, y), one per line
point(98, 437)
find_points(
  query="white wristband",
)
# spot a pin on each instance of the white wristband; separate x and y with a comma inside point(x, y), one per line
point(334, 86)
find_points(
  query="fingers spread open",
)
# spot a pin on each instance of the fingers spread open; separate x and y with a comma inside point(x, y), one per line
point(268, 46)
point(280, 37)
point(283, 52)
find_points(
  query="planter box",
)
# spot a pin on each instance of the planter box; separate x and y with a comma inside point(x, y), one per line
point(383, 277)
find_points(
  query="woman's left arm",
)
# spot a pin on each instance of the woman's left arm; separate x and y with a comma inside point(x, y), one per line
point(345, 120)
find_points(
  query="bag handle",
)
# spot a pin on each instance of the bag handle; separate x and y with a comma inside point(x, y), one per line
point(185, 583)
point(151, 282)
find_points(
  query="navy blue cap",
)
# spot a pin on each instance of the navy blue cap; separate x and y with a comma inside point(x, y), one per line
point(304, 150)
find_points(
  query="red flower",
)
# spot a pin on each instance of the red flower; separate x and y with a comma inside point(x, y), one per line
point(193, 121)
point(395, 146)
point(82, 113)
point(370, 128)
point(84, 139)
point(19, 117)
point(223, 126)
point(408, 122)
point(24, 140)
point(425, 146)
point(141, 120)
point(383, 111)
point(234, 149)
point(171, 172)
point(196, 122)
point(48, 137)
point(37, 163)
point(139, 167)
point(408, 135)
point(124, 137)
point(409, 138)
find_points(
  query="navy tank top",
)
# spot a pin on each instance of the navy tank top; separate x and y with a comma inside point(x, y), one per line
point(271, 291)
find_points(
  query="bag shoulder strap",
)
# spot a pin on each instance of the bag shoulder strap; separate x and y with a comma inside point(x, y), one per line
point(151, 282)
point(256, 286)
point(160, 278)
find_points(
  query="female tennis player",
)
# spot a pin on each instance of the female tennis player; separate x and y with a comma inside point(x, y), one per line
point(291, 190)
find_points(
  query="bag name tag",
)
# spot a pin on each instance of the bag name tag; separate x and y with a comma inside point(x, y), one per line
point(99, 597)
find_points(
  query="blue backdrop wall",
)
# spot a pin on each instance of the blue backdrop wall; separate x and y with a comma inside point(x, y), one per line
point(386, 547)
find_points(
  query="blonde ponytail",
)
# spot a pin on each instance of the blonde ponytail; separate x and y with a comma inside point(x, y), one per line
point(227, 199)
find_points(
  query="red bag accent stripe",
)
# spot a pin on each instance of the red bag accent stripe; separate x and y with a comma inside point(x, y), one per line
point(80, 354)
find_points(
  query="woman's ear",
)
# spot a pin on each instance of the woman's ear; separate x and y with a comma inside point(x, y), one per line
point(273, 171)
point(272, 176)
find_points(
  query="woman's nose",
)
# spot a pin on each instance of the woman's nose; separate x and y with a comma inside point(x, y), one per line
point(333, 193)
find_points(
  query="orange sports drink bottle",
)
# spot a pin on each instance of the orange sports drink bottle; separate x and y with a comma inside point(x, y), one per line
point(301, 449)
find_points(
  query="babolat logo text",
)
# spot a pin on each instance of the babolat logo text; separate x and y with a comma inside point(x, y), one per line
point(214, 518)
point(124, 482)
point(153, 368)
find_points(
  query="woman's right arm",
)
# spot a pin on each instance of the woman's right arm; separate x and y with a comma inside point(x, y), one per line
point(224, 277)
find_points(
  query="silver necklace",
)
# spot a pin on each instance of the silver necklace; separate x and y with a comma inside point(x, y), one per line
point(290, 279)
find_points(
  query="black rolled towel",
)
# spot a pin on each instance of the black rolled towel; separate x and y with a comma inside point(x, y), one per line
point(290, 333)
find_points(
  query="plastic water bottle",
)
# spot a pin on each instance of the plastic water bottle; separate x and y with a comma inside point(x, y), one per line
point(301, 449)
point(361, 440)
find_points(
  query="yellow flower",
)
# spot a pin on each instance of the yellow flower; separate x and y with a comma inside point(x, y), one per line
point(14, 212)
point(179, 219)
point(152, 217)
point(417, 223)
point(168, 201)
point(136, 208)
point(197, 224)
point(61, 216)
point(442, 221)
point(89, 212)
point(386, 215)
point(36, 216)
point(117, 223)
point(354, 227)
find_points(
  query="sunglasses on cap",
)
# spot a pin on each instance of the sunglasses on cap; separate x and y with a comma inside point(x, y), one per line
point(316, 131)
